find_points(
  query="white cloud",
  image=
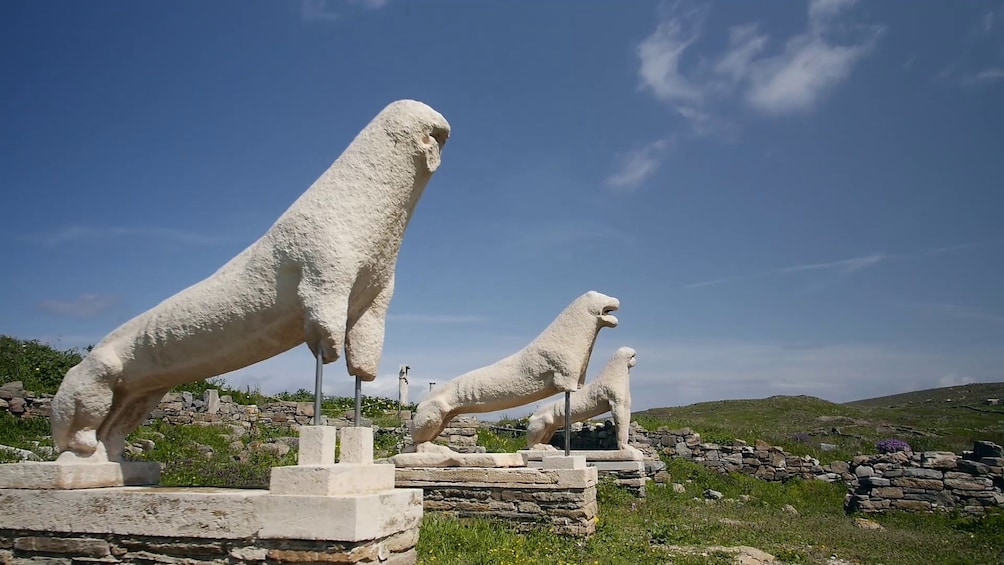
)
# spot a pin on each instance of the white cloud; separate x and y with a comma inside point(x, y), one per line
point(638, 166)
point(85, 306)
point(660, 56)
point(809, 67)
point(745, 43)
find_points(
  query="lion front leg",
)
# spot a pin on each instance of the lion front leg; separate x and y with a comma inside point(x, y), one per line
point(325, 308)
point(565, 383)
point(621, 411)
point(365, 334)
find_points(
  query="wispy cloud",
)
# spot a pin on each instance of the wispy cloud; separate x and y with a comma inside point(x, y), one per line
point(322, 10)
point(810, 66)
point(979, 61)
point(80, 233)
point(84, 306)
point(843, 266)
point(316, 11)
point(638, 166)
point(437, 318)
point(989, 75)
point(961, 312)
point(545, 238)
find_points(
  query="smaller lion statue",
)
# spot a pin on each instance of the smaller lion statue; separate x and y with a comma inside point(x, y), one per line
point(555, 361)
point(607, 392)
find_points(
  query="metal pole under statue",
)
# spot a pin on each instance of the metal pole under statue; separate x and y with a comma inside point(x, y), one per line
point(568, 424)
point(318, 377)
point(359, 402)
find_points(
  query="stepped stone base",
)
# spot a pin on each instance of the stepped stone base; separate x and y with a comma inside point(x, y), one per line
point(163, 524)
point(565, 499)
point(626, 466)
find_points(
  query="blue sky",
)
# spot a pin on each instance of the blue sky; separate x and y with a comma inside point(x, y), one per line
point(787, 198)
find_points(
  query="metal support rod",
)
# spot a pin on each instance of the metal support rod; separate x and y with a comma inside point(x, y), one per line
point(359, 402)
point(568, 423)
point(318, 377)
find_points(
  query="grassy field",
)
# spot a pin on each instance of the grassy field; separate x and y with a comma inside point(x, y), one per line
point(670, 527)
point(797, 522)
point(947, 419)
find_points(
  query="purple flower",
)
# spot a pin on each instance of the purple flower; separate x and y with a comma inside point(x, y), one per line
point(892, 445)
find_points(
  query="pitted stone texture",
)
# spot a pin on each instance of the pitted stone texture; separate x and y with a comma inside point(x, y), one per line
point(350, 518)
point(323, 274)
point(159, 511)
point(331, 480)
point(563, 462)
point(591, 455)
point(357, 445)
point(453, 459)
point(608, 392)
point(61, 475)
point(555, 361)
point(317, 445)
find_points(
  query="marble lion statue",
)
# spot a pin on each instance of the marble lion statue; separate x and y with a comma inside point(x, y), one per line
point(609, 392)
point(323, 274)
point(555, 361)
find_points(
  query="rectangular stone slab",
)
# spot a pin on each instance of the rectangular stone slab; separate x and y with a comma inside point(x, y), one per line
point(590, 454)
point(152, 511)
point(487, 460)
point(331, 480)
point(62, 476)
point(412, 477)
point(345, 518)
point(211, 513)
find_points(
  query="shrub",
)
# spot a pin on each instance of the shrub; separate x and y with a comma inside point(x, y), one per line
point(39, 366)
point(892, 445)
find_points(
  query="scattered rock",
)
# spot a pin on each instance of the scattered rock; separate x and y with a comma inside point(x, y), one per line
point(828, 446)
point(713, 494)
point(790, 509)
point(679, 488)
point(866, 524)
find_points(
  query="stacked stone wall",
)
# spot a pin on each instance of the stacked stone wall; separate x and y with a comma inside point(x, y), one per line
point(928, 481)
point(48, 548)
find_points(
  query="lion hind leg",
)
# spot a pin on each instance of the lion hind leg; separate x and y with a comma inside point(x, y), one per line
point(430, 420)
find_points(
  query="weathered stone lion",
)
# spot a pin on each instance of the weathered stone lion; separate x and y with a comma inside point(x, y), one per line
point(607, 392)
point(555, 361)
point(322, 274)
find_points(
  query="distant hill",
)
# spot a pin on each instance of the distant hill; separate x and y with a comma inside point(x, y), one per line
point(938, 419)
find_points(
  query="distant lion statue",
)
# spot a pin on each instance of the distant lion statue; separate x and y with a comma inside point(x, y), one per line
point(555, 361)
point(322, 274)
point(608, 392)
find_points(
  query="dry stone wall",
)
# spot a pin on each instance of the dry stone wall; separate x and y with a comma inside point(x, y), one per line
point(48, 548)
point(928, 481)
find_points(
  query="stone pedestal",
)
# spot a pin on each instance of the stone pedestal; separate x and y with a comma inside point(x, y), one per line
point(626, 467)
point(565, 499)
point(143, 525)
point(453, 459)
point(77, 475)
point(317, 511)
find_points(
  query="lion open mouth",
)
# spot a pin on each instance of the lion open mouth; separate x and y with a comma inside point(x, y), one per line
point(609, 319)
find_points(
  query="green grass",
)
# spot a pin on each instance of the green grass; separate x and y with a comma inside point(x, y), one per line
point(633, 531)
point(182, 450)
point(923, 419)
